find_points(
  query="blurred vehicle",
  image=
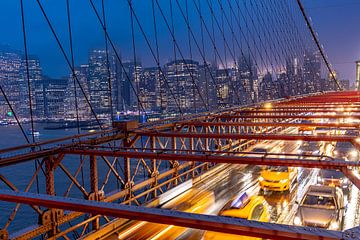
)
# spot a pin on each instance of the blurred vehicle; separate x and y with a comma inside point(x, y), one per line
point(333, 178)
point(346, 151)
point(193, 201)
point(323, 131)
point(321, 206)
point(277, 178)
point(309, 148)
point(245, 207)
point(306, 129)
point(352, 132)
point(260, 150)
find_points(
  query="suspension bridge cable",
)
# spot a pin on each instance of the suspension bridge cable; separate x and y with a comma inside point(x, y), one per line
point(107, 63)
point(73, 78)
point(181, 54)
point(29, 87)
point(155, 56)
point(27, 69)
point(160, 86)
point(331, 71)
point(67, 60)
point(197, 44)
point(72, 64)
point(136, 77)
point(191, 58)
point(215, 48)
point(14, 113)
point(116, 53)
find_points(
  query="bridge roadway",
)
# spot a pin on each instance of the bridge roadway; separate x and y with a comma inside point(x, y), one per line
point(210, 194)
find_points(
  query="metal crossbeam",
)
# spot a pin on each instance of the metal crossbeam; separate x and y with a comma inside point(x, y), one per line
point(254, 160)
point(162, 216)
point(285, 137)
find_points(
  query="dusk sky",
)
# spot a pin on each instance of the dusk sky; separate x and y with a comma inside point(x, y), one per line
point(336, 22)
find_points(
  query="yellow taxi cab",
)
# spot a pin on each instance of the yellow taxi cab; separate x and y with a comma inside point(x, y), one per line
point(245, 207)
point(277, 178)
point(193, 201)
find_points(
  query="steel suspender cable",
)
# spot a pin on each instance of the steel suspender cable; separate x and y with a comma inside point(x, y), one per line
point(73, 65)
point(157, 60)
point(74, 81)
point(180, 52)
point(197, 45)
point(29, 86)
point(27, 72)
point(13, 112)
point(134, 55)
point(67, 60)
point(331, 71)
point(108, 64)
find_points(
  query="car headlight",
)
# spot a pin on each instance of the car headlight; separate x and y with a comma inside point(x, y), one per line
point(320, 179)
point(353, 153)
point(283, 181)
point(345, 181)
point(297, 221)
point(261, 179)
point(334, 225)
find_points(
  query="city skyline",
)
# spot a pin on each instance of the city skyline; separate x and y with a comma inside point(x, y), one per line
point(90, 36)
point(177, 86)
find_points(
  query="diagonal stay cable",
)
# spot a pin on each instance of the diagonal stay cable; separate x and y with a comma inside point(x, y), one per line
point(118, 56)
point(67, 60)
point(181, 54)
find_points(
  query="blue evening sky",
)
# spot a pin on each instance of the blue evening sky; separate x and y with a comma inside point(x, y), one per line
point(336, 22)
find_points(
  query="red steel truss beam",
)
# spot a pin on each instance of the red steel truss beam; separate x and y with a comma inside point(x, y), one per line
point(272, 124)
point(170, 217)
point(253, 160)
point(305, 110)
point(289, 116)
point(285, 137)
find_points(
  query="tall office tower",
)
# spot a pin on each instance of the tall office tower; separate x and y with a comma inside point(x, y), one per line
point(357, 82)
point(148, 88)
point(312, 72)
point(247, 83)
point(99, 74)
point(329, 83)
point(223, 81)
point(269, 88)
point(54, 97)
point(161, 93)
point(181, 75)
point(36, 88)
point(10, 68)
point(208, 85)
point(128, 79)
point(83, 111)
point(293, 84)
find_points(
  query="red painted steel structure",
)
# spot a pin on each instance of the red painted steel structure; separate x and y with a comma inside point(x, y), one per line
point(148, 160)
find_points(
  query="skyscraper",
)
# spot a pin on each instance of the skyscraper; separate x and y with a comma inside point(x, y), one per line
point(312, 72)
point(10, 69)
point(84, 111)
point(54, 96)
point(208, 85)
point(100, 72)
point(148, 88)
point(36, 88)
point(128, 77)
point(247, 82)
point(181, 90)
